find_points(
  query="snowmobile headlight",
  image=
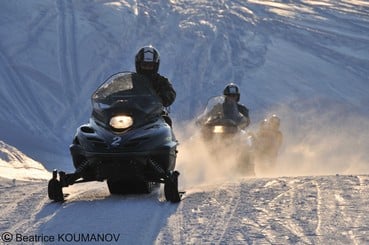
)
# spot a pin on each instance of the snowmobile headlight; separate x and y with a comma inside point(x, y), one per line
point(218, 129)
point(121, 122)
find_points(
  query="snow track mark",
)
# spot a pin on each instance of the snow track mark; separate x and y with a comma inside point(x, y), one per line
point(302, 210)
point(20, 204)
point(337, 205)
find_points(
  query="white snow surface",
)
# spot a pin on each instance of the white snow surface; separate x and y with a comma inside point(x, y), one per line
point(307, 61)
point(16, 165)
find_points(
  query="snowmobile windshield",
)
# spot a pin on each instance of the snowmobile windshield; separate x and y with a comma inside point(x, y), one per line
point(123, 86)
point(126, 93)
point(221, 111)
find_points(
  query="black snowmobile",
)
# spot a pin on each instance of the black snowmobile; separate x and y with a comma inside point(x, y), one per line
point(224, 131)
point(127, 142)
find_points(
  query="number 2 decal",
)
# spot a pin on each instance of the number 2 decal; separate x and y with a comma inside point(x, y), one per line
point(116, 141)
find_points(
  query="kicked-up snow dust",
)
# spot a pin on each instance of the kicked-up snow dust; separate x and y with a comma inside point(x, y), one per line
point(201, 163)
point(328, 139)
point(319, 141)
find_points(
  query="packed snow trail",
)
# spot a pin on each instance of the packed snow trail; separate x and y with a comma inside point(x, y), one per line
point(303, 210)
point(283, 210)
point(20, 205)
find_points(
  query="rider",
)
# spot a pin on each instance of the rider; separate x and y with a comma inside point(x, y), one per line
point(231, 104)
point(230, 108)
point(269, 138)
point(147, 63)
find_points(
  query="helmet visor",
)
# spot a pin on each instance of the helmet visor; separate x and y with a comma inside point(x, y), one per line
point(232, 90)
point(148, 56)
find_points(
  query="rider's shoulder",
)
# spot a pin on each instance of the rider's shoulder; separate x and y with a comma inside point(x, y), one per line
point(160, 77)
point(242, 106)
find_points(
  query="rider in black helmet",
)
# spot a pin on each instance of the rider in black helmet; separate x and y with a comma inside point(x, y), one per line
point(147, 62)
point(230, 108)
point(232, 96)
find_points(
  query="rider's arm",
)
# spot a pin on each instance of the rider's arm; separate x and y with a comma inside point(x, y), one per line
point(165, 90)
point(245, 112)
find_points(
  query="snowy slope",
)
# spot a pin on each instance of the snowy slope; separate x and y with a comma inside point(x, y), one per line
point(290, 57)
point(15, 165)
point(307, 61)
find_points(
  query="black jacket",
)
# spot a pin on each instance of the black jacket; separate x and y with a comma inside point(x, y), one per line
point(163, 88)
point(230, 109)
point(244, 111)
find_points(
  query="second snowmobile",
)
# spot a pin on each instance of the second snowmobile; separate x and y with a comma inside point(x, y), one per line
point(224, 132)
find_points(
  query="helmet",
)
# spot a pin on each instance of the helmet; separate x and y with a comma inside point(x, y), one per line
point(264, 124)
point(274, 121)
point(147, 60)
point(232, 89)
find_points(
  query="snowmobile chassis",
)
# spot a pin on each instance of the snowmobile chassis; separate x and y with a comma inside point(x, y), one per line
point(60, 179)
